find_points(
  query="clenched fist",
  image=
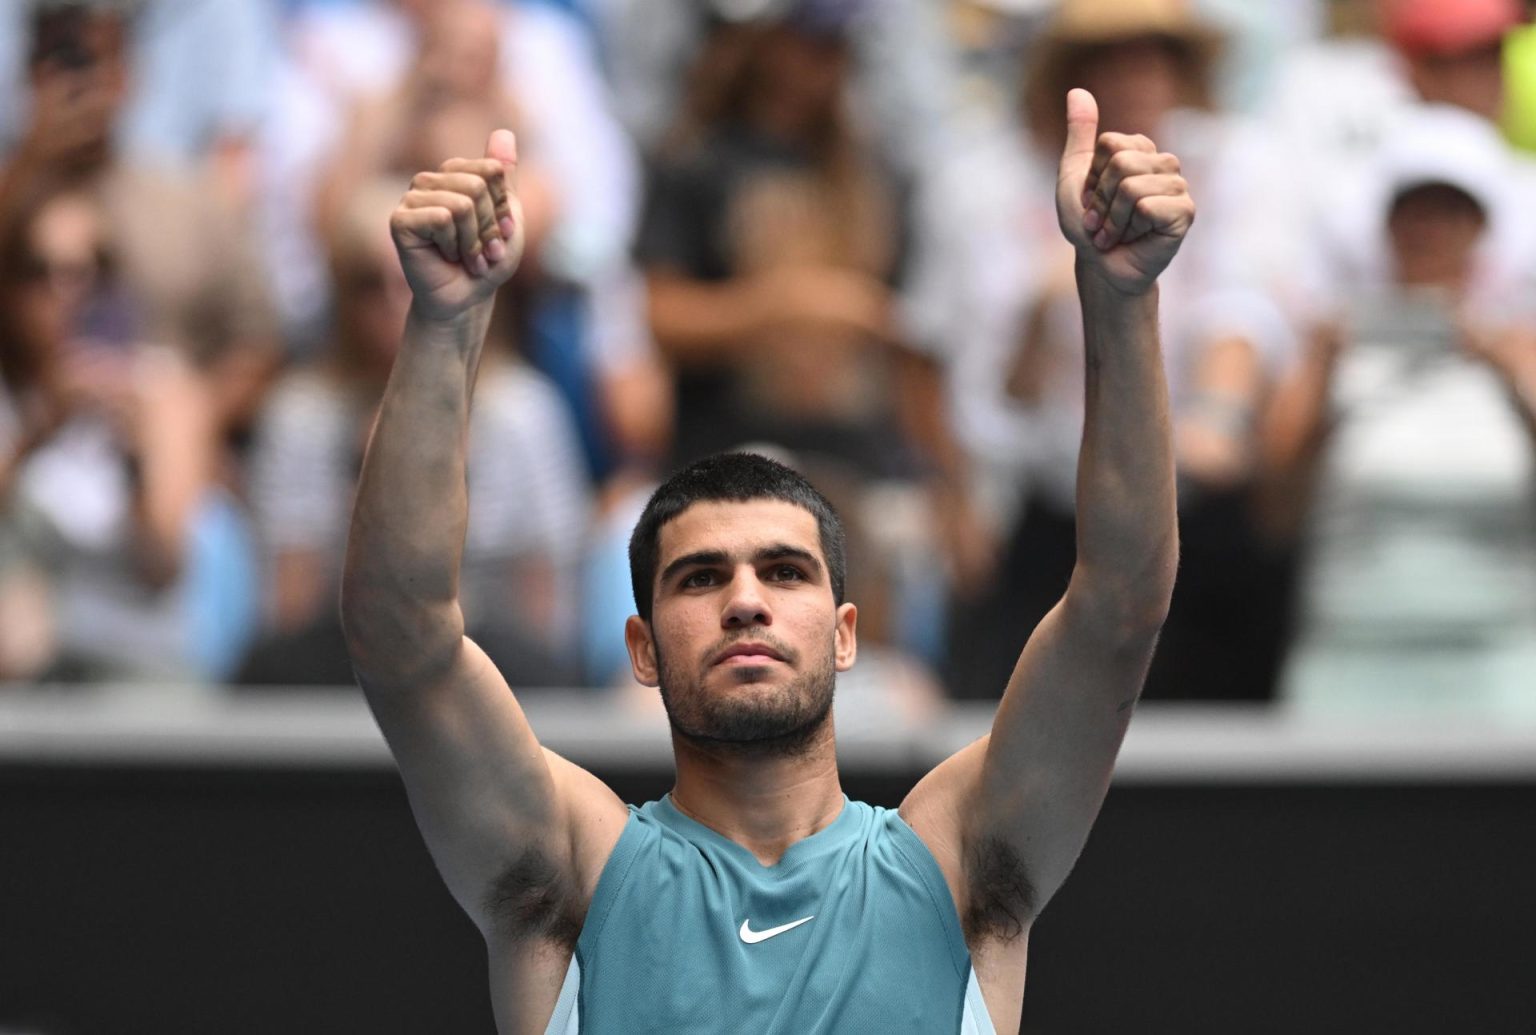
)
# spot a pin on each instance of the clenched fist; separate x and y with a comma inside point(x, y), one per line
point(1120, 202)
point(459, 231)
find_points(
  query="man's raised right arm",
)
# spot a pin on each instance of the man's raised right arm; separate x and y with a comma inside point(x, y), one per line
point(502, 816)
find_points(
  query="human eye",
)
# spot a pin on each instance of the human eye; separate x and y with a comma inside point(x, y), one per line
point(788, 573)
point(698, 579)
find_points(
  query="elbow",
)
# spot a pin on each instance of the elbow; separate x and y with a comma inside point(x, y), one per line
point(368, 620)
point(394, 639)
point(1129, 605)
point(362, 623)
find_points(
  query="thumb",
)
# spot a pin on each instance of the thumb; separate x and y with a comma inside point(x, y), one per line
point(502, 146)
point(1082, 131)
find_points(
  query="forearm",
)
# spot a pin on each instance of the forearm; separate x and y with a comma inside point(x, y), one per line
point(1292, 436)
point(1297, 420)
point(697, 321)
point(400, 584)
point(1519, 374)
point(1127, 527)
point(176, 446)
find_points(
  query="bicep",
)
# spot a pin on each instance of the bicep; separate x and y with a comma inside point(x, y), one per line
point(489, 800)
point(1055, 738)
point(1016, 807)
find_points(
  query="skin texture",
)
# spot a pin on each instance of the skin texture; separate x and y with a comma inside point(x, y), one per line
point(757, 593)
point(521, 835)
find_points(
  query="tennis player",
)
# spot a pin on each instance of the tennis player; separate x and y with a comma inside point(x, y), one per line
point(756, 897)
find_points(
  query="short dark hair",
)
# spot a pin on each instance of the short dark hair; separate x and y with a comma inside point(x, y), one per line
point(733, 478)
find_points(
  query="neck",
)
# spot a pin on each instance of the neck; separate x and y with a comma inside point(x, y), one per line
point(762, 801)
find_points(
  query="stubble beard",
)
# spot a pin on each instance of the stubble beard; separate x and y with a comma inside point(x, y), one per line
point(781, 724)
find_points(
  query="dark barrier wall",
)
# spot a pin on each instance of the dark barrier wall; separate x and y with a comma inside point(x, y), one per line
point(154, 900)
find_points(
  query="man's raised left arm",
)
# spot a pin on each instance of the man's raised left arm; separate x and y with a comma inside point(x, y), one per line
point(1008, 815)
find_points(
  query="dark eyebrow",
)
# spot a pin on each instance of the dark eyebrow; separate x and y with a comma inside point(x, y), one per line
point(718, 558)
point(785, 552)
point(699, 558)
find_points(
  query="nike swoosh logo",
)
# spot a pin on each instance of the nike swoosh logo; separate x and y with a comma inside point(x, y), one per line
point(752, 937)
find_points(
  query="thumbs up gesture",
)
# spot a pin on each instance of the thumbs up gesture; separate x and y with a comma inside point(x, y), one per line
point(459, 231)
point(1120, 202)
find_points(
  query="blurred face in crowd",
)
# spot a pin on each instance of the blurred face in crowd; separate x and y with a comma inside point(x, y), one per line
point(63, 262)
point(1473, 80)
point(1136, 82)
point(745, 637)
point(460, 51)
point(1434, 232)
point(800, 79)
point(80, 78)
point(372, 299)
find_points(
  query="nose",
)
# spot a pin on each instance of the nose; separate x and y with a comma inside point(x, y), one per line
point(747, 604)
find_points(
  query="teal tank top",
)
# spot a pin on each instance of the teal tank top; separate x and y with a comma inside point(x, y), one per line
point(853, 931)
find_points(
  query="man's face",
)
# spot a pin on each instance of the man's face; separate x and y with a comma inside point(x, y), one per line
point(745, 639)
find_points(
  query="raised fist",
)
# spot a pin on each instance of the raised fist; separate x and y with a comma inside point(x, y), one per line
point(459, 231)
point(1121, 203)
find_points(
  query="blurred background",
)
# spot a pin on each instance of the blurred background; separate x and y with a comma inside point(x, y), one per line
point(822, 229)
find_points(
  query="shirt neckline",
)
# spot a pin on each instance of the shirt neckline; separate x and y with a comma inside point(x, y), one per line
point(822, 841)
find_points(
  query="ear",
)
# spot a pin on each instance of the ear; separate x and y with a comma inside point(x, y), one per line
point(642, 651)
point(846, 647)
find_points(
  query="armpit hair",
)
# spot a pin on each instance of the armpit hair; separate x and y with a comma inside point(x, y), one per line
point(532, 900)
point(1001, 898)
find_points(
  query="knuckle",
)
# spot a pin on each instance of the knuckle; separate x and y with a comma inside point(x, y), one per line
point(1170, 161)
point(422, 181)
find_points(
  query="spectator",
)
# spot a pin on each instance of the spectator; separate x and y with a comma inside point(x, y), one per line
point(998, 296)
point(446, 103)
point(183, 255)
point(907, 79)
point(545, 62)
point(528, 493)
point(1336, 104)
point(109, 452)
point(202, 74)
point(1402, 448)
point(770, 244)
point(347, 50)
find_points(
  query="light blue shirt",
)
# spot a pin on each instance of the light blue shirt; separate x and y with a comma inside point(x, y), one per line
point(852, 931)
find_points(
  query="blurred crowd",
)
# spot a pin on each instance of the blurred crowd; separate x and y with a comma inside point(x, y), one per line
point(822, 229)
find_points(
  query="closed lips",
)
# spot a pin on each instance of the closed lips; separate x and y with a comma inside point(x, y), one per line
point(748, 650)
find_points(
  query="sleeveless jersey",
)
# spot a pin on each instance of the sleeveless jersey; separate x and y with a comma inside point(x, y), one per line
point(853, 931)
